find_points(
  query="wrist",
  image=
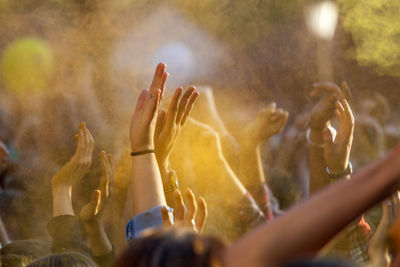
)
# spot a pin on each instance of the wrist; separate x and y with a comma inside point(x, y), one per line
point(61, 189)
point(340, 171)
point(93, 225)
point(318, 126)
point(141, 147)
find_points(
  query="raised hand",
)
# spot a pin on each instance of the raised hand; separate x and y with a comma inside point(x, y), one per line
point(195, 215)
point(337, 152)
point(269, 122)
point(99, 197)
point(80, 162)
point(170, 123)
point(141, 131)
point(328, 93)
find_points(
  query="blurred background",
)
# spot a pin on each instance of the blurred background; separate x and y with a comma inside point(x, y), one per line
point(258, 50)
point(66, 61)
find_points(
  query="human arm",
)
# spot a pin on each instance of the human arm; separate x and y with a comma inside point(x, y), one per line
point(313, 223)
point(64, 227)
point(73, 171)
point(145, 190)
point(90, 214)
point(269, 122)
point(320, 117)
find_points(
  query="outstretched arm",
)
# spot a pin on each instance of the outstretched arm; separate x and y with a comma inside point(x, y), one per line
point(146, 190)
point(268, 123)
point(307, 227)
point(321, 115)
point(73, 171)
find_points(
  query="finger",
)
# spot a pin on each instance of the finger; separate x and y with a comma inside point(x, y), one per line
point(141, 100)
point(173, 108)
point(160, 123)
point(157, 77)
point(191, 206)
point(329, 88)
point(105, 177)
point(328, 140)
point(346, 91)
point(162, 82)
point(348, 111)
point(189, 107)
point(89, 143)
point(316, 92)
point(339, 107)
point(111, 176)
point(110, 161)
point(179, 206)
point(183, 104)
point(339, 115)
point(153, 104)
point(81, 142)
point(166, 220)
point(201, 214)
point(95, 201)
point(268, 112)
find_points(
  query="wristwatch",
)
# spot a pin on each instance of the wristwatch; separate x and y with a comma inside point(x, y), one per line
point(172, 184)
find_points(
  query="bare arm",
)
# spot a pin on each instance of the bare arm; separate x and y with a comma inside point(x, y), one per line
point(146, 190)
point(71, 172)
point(321, 114)
point(313, 223)
point(268, 123)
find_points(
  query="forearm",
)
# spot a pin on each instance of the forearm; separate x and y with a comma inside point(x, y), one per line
point(62, 203)
point(145, 189)
point(98, 241)
point(251, 170)
point(318, 175)
point(229, 185)
point(313, 223)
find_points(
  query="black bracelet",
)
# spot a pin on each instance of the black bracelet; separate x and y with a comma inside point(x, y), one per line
point(147, 151)
point(348, 171)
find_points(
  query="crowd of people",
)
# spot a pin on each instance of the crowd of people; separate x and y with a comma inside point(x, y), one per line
point(187, 192)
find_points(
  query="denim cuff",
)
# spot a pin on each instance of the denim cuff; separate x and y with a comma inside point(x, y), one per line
point(149, 219)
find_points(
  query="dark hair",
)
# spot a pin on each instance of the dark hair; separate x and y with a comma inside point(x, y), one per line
point(321, 263)
point(174, 247)
point(34, 248)
point(12, 260)
point(67, 259)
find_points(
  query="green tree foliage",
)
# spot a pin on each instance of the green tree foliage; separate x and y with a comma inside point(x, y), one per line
point(375, 28)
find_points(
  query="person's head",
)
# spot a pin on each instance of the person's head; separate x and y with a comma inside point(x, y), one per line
point(67, 259)
point(174, 247)
point(34, 248)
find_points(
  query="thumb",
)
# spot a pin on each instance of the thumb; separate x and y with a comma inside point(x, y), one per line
point(95, 201)
point(328, 140)
point(160, 122)
point(166, 220)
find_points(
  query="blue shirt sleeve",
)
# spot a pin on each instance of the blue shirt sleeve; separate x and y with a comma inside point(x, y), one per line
point(149, 219)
